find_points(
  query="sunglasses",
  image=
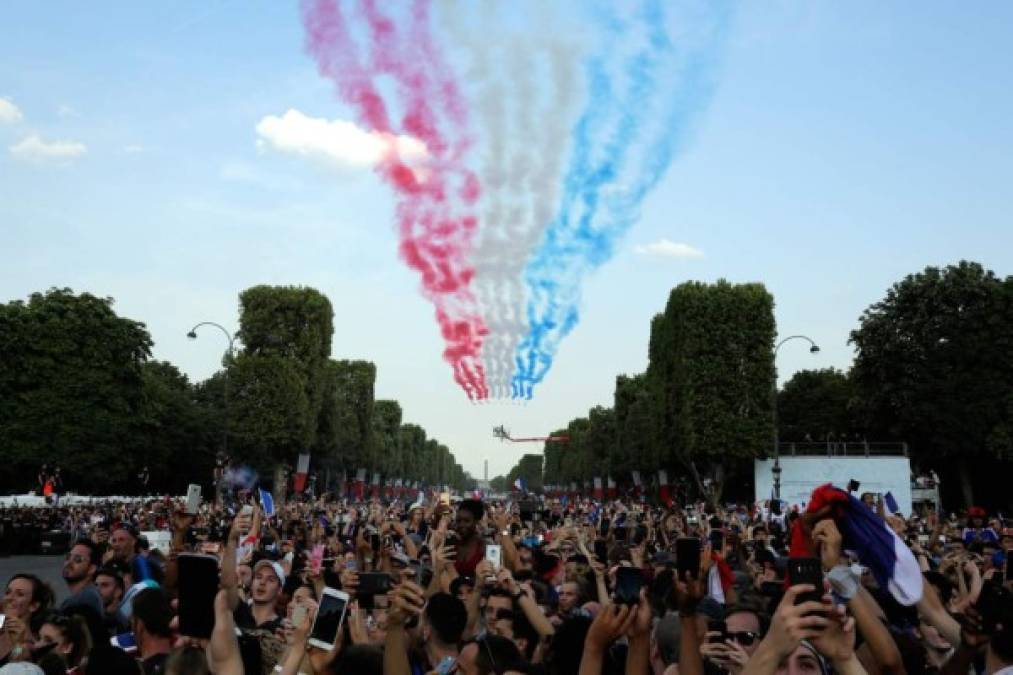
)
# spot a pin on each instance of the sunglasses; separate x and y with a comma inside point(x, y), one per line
point(744, 637)
point(77, 559)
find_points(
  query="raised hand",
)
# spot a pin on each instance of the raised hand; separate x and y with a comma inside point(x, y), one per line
point(793, 623)
point(611, 623)
point(828, 538)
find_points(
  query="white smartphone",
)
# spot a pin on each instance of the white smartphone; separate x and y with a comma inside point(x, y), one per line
point(330, 617)
point(299, 615)
point(494, 554)
point(193, 499)
point(3, 620)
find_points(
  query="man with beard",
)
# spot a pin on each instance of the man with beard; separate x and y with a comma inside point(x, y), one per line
point(110, 587)
point(79, 570)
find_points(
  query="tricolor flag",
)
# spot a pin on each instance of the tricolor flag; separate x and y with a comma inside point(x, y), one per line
point(267, 502)
point(878, 547)
point(519, 484)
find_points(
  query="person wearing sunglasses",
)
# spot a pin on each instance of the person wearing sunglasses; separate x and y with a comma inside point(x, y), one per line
point(730, 649)
point(79, 568)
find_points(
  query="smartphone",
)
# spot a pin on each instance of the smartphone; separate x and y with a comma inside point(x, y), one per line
point(687, 557)
point(247, 510)
point(719, 627)
point(629, 581)
point(1006, 577)
point(494, 554)
point(806, 571)
point(374, 541)
point(3, 620)
point(990, 605)
point(299, 615)
point(445, 665)
point(373, 583)
point(423, 575)
point(198, 585)
point(601, 551)
point(330, 616)
point(193, 499)
point(717, 540)
point(124, 641)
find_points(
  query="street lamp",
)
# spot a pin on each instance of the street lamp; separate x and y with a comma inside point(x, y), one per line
point(229, 355)
point(776, 469)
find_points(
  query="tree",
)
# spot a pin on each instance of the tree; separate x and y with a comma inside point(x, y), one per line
point(529, 469)
point(71, 386)
point(499, 485)
point(386, 438)
point(934, 364)
point(270, 420)
point(635, 449)
point(713, 366)
point(171, 424)
point(815, 403)
point(294, 323)
point(353, 383)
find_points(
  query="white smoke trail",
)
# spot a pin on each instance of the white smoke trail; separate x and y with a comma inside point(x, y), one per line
point(527, 85)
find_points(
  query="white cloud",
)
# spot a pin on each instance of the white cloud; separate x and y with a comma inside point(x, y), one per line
point(35, 149)
point(335, 141)
point(9, 113)
point(664, 248)
point(66, 111)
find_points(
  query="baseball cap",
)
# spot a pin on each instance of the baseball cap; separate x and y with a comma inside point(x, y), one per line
point(275, 567)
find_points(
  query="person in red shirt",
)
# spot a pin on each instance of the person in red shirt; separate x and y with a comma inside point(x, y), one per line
point(470, 545)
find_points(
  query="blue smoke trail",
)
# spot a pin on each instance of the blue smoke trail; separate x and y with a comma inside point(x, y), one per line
point(599, 201)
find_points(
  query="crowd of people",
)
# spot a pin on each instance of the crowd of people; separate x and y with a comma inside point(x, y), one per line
point(528, 585)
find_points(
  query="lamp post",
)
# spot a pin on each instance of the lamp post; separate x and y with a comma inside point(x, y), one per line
point(229, 355)
point(776, 469)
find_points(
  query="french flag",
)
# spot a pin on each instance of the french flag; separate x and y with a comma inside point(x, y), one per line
point(877, 546)
point(521, 485)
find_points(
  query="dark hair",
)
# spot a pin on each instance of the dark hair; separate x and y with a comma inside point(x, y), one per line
point(447, 616)
point(74, 630)
point(151, 607)
point(497, 655)
point(110, 571)
point(94, 554)
point(752, 604)
point(364, 659)
point(473, 506)
point(567, 646)
point(522, 629)
point(109, 660)
point(42, 593)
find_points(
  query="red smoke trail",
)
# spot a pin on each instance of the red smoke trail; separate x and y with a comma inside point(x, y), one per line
point(435, 236)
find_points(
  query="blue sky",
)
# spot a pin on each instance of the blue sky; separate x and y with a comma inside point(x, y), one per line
point(846, 145)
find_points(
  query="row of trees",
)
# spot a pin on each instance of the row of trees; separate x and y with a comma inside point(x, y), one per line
point(933, 368)
point(78, 388)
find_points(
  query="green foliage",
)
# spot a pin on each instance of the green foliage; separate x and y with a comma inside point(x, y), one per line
point(270, 419)
point(635, 448)
point(386, 438)
point(935, 361)
point(172, 424)
point(499, 485)
point(722, 358)
point(815, 403)
point(529, 468)
point(352, 383)
point(71, 387)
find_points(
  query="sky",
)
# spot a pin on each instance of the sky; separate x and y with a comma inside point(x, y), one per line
point(170, 155)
